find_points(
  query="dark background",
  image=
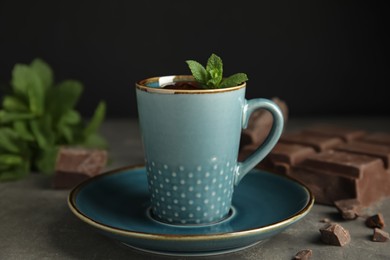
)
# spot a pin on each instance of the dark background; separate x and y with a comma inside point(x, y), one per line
point(324, 58)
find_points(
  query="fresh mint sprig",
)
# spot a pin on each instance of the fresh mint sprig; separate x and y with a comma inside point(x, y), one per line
point(38, 116)
point(212, 75)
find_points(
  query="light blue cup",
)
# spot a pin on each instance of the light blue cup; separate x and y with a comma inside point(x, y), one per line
point(191, 140)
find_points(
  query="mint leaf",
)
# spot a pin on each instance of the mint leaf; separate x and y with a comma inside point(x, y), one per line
point(10, 159)
point(21, 129)
point(13, 173)
point(44, 72)
point(234, 80)
point(63, 98)
point(65, 125)
point(96, 120)
point(27, 84)
point(7, 117)
point(46, 159)
point(70, 92)
point(38, 134)
point(21, 76)
point(214, 74)
point(198, 71)
point(214, 68)
point(36, 96)
point(14, 104)
point(95, 141)
point(7, 140)
point(71, 117)
point(214, 63)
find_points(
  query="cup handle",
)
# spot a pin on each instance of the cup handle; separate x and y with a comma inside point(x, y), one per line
point(277, 127)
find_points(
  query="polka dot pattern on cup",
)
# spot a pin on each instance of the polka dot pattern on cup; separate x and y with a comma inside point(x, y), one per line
point(190, 195)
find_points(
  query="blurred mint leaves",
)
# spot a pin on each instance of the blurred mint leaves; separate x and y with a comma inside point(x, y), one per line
point(212, 75)
point(37, 116)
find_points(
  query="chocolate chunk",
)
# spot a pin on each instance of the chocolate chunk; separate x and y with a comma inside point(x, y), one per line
point(349, 208)
point(304, 254)
point(335, 234)
point(375, 221)
point(76, 164)
point(291, 154)
point(380, 235)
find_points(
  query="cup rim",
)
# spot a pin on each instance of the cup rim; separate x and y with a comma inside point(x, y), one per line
point(141, 85)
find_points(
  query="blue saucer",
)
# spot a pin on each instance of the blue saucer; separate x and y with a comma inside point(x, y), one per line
point(117, 205)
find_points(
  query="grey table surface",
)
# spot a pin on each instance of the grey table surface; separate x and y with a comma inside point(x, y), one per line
point(36, 223)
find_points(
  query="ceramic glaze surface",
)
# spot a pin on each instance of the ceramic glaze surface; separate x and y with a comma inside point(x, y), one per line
point(117, 204)
point(191, 142)
point(191, 195)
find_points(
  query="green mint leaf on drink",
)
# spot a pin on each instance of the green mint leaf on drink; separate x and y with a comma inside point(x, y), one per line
point(198, 71)
point(211, 77)
point(215, 70)
point(234, 80)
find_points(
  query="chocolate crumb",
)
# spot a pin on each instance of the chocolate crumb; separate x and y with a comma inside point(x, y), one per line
point(325, 220)
point(380, 235)
point(348, 208)
point(304, 254)
point(375, 221)
point(335, 234)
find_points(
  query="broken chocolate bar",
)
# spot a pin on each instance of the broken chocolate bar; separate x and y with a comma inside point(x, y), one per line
point(305, 254)
point(349, 208)
point(375, 221)
point(380, 235)
point(335, 234)
point(76, 164)
point(335, 163)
